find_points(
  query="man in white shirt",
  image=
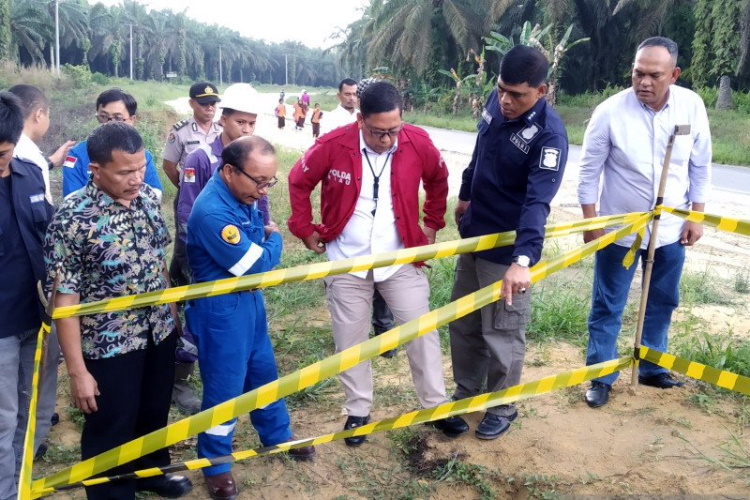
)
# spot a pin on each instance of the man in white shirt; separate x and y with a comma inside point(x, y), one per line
point(624, 147)
point(346, 112)
point(36, 123)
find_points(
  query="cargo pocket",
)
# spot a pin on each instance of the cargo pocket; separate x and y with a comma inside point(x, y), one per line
point(512, 317)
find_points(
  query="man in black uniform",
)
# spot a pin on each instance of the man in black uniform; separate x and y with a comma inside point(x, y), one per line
point(514, 173)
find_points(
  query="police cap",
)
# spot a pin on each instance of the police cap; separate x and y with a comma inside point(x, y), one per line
point(204, 93)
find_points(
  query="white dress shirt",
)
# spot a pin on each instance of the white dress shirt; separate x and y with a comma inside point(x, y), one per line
point(365, 233)
point(625, 143)
point(27, 150)
point(338, 117)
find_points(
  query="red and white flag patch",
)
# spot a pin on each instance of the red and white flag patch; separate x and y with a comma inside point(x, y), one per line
point(70, 162)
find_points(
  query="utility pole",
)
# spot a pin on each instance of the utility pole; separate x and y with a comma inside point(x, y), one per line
point(286, 70)
point(131, 51)
point(221, 75)
point(57, 36)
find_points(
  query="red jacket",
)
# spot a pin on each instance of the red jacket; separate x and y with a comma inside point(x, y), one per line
point(336, 160)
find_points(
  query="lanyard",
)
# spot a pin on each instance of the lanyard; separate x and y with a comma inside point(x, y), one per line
point(376, 178)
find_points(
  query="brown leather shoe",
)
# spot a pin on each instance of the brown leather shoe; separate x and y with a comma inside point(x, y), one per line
point(304, 454)
point(221, 486)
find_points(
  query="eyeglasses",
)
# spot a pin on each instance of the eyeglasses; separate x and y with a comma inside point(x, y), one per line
point(258, 184)
point(105, 118)
point(392, 134)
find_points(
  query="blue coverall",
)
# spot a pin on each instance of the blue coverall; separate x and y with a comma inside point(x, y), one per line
point(226, 238)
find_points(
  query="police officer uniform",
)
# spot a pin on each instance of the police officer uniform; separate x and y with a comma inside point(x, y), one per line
point(186, 135)
point(226, 238)
point(515, 171)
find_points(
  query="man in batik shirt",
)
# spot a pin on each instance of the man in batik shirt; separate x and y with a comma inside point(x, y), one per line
point(108, 240)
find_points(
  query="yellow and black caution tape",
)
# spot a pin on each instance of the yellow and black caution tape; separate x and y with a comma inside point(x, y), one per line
point(323, 269)
point(720, 378)
point(316, 372)
point(27, 463)
point(468, 405)
point(737, 226)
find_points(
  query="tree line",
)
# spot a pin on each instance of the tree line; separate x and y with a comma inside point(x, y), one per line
point(164, 41)
point(425, 44)
point(423, 39)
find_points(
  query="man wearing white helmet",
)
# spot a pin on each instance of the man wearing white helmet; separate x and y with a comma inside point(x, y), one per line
point(239, 113)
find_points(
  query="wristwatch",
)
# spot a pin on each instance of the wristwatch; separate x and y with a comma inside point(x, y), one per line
point(522, 260)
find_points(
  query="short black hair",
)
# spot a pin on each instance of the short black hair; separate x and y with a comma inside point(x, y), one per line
point(31, 98)
point(661, 41)
point(11, 118)
point(237, 151)
point(524, 64)
point(114, 95)
point(380, 97)
point(346, 81)
point(110, 137)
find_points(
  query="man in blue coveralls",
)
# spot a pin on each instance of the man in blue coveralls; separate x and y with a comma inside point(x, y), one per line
point(514, 173)
point(227, 238)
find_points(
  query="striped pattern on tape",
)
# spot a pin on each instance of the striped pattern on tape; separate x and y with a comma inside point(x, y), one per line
point(316, 372)
point(323, 269)
point(720, 378)
point(469, 405)
point(737, 226)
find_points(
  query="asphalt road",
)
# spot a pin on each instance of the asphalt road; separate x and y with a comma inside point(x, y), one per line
point(725, 177)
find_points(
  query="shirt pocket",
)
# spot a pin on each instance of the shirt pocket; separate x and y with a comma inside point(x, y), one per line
point(512, 317)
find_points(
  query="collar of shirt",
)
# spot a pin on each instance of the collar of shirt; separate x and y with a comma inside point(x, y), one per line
point(532, 116)
point(105, 201)
point(26, 149)
point(217, 146)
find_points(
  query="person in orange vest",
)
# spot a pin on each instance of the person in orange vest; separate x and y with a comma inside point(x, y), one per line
point(281, 113)
point(299, 116)
point(315, 120)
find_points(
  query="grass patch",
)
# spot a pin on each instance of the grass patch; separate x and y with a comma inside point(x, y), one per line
point(722, 351)
point(559, 311)
point(701, 289)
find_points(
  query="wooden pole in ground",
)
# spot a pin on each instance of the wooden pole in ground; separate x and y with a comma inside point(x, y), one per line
point(678, 130)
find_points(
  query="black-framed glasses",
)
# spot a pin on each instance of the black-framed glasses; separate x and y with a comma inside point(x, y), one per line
point(258, 184)
point(381, 134)
point(105, 118)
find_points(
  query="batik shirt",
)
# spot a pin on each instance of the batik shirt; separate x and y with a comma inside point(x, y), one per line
point(102, 249)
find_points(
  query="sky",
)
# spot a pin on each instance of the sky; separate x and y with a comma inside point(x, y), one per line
point(309, 22)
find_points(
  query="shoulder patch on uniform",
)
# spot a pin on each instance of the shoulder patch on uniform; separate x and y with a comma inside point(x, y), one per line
point(188, 175)
point(180, 124)
point(70, 162)
point(550, 158)
point(486, 116)
point(231, 234)
point(171, 137)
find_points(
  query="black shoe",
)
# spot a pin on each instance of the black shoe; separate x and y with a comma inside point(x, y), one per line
point(40, 452)
point(167, 486)
point(598, 394)
point(351, 423)
point(661, 380)
point(493, 426)
point(451, 426)
point(389, 354)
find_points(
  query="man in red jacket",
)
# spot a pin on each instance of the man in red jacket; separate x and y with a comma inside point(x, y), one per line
point(370, 174)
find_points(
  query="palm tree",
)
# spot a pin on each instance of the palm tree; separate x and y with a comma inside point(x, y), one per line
point(30, 29)
point(109, 35)
point(423, 34)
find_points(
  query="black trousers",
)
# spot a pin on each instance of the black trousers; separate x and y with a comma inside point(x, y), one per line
point(382, 317)
point(136, 390)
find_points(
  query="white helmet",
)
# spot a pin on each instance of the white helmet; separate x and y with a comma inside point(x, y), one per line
point(240, 97)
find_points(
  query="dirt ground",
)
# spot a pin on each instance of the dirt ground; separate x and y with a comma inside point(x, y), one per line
point(689, 442)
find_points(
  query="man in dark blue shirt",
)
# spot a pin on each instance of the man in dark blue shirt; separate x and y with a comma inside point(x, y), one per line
point(514, 173)
point(24, 216)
